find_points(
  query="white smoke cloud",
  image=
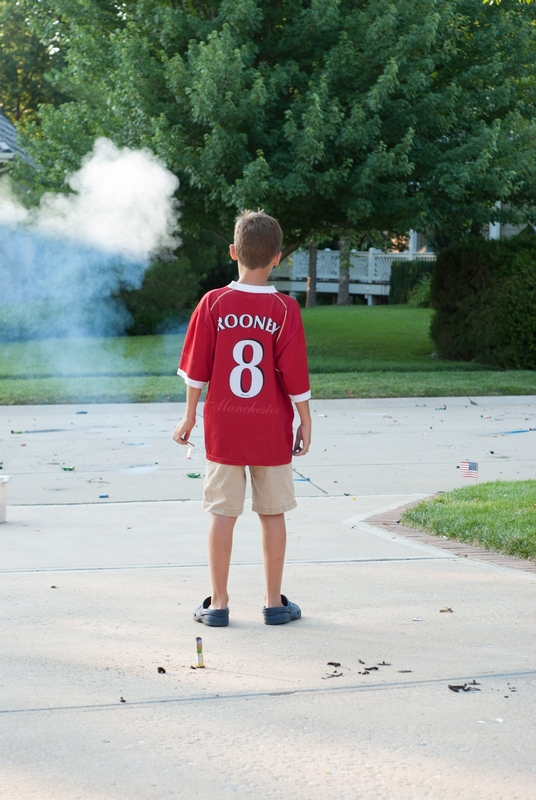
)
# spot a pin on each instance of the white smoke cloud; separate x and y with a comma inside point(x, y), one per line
point(11, 211)
point(62, 263)
point(122, 202)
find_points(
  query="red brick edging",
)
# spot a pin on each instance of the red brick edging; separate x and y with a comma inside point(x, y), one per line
point(390, 521)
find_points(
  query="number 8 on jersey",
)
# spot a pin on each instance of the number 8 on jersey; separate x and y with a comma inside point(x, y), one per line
point(238, 381)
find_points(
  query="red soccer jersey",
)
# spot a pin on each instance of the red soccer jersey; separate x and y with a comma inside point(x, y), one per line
point(247, 342)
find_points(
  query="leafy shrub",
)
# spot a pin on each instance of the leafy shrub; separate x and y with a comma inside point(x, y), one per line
point(484, 294)
point(419, 296)
point(405, 275)
point(166, 297)
point(171, 289)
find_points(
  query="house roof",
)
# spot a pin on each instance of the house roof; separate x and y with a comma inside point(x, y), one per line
point(8, 141)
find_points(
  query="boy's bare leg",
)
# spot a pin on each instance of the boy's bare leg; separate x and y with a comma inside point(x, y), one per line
point(220, 545)
point(274, 541)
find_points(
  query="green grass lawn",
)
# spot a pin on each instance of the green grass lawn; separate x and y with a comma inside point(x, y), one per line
point(357, 351)
point(500, 516)
point(137, 369)
point(373, 339)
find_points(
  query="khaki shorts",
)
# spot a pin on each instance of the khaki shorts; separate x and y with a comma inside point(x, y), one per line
point(225, 489)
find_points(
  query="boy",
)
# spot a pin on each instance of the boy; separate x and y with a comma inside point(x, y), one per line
point(246, 341)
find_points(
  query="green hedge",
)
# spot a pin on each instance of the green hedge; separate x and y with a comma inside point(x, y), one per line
point(484, 294)
point(405, 275)
point(165, 299)
point(172, 288)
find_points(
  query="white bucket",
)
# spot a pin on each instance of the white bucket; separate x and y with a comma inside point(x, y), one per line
point(4, 480)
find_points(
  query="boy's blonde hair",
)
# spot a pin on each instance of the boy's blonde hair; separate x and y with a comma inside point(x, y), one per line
point(257, 238)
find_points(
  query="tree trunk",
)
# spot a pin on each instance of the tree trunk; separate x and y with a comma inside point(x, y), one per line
point(310, 300)
point(343, 296)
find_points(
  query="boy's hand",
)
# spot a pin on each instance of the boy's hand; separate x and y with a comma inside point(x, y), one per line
point(183, 430)
point(302, 441)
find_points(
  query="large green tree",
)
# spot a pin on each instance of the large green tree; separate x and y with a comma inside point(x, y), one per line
point(24, 64)
point(336, 116)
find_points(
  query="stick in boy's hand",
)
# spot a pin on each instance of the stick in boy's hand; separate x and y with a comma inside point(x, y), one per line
point(182, 433)
point(180, 440)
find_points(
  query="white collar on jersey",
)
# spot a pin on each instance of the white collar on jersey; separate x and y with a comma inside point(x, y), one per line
point(249, 287)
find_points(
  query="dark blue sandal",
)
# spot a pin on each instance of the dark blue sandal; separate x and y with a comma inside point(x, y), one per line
point(215, 617)
point(279, 615)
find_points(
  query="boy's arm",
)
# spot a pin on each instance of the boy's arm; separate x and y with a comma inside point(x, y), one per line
point(186, 425)
point(303, 434)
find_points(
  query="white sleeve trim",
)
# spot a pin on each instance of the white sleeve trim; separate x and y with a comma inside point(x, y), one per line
point(299, 398)
point(190, 381)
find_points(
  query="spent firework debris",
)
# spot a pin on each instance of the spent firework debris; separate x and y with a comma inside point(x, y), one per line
point(464, 687)
point(199, 651)
point(469, 469)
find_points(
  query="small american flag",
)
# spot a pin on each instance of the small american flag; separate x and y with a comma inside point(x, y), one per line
point(469, 469)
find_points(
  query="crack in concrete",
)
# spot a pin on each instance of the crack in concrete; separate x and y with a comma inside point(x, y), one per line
point(256, 695)
point(194, 565)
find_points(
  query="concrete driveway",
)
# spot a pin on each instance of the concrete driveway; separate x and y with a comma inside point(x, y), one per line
point(97, 594)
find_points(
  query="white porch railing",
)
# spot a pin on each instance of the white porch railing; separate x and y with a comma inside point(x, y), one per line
point(369, 267)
